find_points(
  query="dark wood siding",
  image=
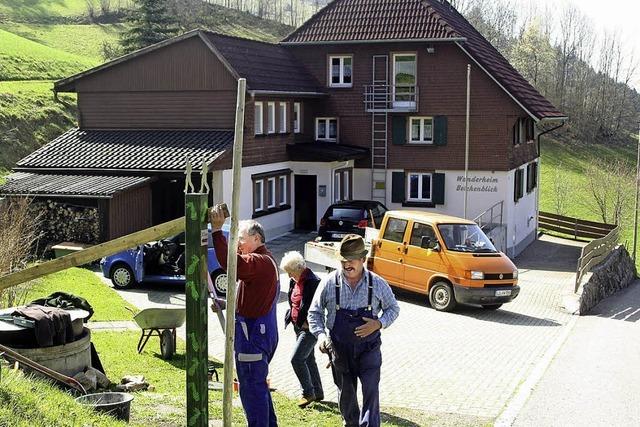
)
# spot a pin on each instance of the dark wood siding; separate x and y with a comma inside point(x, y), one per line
point(267, 148)
point(167, 110)
point(183, 85)
point(130, 211)
point(441, 79)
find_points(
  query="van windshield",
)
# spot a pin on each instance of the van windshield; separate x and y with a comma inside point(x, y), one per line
point(465, 238)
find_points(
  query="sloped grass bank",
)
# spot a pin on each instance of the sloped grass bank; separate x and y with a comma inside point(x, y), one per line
point(24, 59)
point(30, 117)
point(84, 40)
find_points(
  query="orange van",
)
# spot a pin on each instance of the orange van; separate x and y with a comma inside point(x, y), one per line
point(447, 258)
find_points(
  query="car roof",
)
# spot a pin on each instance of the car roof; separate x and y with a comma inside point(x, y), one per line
point(429, 217)
point(355, 203)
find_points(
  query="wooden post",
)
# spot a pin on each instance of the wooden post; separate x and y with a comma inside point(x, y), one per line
point(196, 236)
point(232, 258)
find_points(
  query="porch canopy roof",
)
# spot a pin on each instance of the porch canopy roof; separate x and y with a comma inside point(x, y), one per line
point(55, 185)
point(127, 151)
point(325, 152)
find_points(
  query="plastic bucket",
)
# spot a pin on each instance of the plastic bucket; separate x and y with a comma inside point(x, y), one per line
point(117, 405)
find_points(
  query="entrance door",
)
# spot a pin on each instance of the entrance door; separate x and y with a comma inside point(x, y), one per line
point(306, 202)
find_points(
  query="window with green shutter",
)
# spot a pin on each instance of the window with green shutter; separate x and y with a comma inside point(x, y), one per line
point(399, 130)
point(440, 130)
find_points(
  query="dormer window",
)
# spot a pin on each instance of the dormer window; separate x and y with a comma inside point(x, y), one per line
point(340, 71)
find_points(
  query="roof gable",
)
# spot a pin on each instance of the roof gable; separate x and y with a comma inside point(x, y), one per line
point(266, 66)
point(353, 21)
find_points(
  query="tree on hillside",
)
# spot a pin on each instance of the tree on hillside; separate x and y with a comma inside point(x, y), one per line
point(149, 23)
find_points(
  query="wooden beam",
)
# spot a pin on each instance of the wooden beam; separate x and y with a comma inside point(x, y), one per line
point(232, 260)
point(93, 253)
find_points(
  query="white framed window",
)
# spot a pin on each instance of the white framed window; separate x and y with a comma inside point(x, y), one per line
point(342, 184)
point(283, 117)
point(258, 195)
point(271, 193)
point(326, 129)
point(421, 130)
point(271, 117)
point(419, 187)
point(297, 116)
point(258, 118)
point(282, 187)
point(340, 71)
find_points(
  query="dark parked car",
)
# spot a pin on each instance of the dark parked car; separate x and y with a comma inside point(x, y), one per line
point(350, 216)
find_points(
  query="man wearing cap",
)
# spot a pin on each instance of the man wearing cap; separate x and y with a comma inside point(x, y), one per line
point(347, 304)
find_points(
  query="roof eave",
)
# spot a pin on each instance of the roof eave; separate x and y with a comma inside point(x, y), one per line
point(535, 117)
point(423, 40)
point(286, 93)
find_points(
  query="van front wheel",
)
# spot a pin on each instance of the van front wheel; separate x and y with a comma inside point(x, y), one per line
point(441, 297)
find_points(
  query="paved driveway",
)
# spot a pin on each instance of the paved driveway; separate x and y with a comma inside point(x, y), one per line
point(468, 362)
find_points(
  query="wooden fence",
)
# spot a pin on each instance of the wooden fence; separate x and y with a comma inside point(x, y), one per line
point(594, 253)
point(578, 228)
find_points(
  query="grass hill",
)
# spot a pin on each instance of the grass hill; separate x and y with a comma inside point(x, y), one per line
point(23, 59)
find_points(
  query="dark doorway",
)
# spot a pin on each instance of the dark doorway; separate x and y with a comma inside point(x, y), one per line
point(167, 199)
point(306, 202)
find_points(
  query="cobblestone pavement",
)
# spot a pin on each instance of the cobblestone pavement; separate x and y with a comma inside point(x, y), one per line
point(468, 362)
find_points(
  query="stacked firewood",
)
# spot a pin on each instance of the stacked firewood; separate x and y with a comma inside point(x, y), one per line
point(64, 222)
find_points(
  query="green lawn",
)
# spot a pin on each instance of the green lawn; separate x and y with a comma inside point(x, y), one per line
point(39, 10)
point(84, 40)
point(106, 303)
point(572, 159)
point(27, 402)
point(23, 59)
point(30, 117)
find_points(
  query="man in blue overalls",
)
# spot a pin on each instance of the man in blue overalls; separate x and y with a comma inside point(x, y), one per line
point(256, 331)
point(352, 298)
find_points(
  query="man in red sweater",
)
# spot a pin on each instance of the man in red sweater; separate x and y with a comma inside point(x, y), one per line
point(256, 330)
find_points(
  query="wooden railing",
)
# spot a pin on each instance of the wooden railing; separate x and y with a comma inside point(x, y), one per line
point(578, 228)
point(595, 252)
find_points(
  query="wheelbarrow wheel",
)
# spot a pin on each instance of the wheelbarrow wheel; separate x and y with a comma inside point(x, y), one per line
point(167, 347)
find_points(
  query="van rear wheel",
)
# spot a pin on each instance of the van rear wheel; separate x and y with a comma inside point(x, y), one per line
point(441, 297)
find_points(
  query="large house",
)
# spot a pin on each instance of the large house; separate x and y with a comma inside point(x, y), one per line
point(366, 100)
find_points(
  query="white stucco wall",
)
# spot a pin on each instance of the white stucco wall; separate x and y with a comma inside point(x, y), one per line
point(278, 223)
point(485, 189)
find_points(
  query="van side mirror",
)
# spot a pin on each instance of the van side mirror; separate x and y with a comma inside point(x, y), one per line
point(429, 243)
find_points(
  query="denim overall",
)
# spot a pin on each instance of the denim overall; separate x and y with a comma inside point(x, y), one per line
point(357, 358)
point(255, 343)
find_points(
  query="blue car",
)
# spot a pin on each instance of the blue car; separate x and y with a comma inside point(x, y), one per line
point(159, 262)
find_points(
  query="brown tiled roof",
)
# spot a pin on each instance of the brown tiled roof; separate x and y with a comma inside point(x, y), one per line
point(325, 152)
point(387, 20)
point(266, 66)
point(98, 186)
point(357, 20)
point(122, 150)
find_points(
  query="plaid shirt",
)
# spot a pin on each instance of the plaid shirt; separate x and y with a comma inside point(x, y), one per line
point(325, 300)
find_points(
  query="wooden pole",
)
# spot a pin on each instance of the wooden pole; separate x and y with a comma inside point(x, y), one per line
point(93, 253)
point(232, 258)
point(196, 292)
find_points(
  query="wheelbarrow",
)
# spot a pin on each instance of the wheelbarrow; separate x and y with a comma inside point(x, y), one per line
point(160, 322)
